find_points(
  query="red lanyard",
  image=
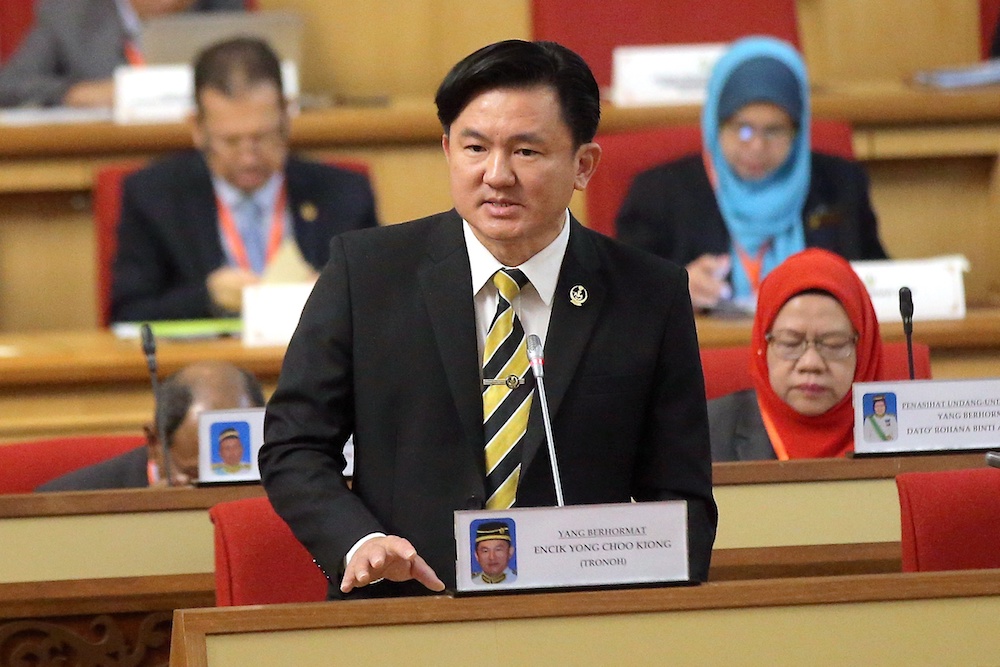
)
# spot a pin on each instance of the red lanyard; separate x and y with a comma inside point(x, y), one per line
point(752, 265)
point(133, 55)
point(235, 241)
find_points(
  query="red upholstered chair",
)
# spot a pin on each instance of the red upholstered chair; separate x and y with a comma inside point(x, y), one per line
point(727, 369)
point(633, 22)
point(950, 520)
point(25, 465)
point(107, 208)
point(626, 154)
point(15, 20)
point(258, 560)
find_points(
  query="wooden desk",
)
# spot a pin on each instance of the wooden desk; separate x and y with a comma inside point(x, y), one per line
point(75, 382)
point(931, 155)
point(904, 619)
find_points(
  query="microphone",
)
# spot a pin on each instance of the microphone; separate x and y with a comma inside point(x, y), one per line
point(906, 310)
point(537, 361)
point(993, 459)
point(149, 349)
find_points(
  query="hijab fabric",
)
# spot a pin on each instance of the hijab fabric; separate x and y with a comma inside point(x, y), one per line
point(768, 211)
point(831, 433)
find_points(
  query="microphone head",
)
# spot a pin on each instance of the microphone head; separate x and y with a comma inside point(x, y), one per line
point(535, 348)
point(905, 303)
point(148, 342)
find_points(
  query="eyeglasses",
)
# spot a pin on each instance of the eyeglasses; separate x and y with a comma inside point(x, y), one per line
point(769, 134)
point(831, 347)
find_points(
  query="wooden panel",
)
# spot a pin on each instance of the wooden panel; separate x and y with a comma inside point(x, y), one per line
point(860, 39)
point(873, 619)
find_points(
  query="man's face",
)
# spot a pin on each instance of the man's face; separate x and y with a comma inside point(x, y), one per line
point(244, 138)
point(231, 451)
point(513, 169)
point(493, 555)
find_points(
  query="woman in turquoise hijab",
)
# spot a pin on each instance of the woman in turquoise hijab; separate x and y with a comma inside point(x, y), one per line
point(758, 193)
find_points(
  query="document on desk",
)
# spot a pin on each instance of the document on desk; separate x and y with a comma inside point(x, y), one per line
point(22, 117)
point(181, 329)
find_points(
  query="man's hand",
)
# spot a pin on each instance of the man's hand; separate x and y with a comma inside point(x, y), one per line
point(99, 93)
point(707, 280)
point(390, 558)
point(225, 287)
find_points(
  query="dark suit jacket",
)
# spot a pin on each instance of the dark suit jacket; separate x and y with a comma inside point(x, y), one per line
point(71, 41)
point(671, 211)
point(736, 429)
point(386, 348)
point(125, 471)
point(168, 238)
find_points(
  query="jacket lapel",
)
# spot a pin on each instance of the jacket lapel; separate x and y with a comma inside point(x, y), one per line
point(446, 287)
point(570, 328)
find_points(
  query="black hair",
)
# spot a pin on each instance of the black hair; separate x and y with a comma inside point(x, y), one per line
point(515, 63)
point(175, 397)
point(234, 65)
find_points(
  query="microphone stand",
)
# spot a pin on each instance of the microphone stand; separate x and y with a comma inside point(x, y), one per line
point(149, 349)
point(538, 368)
point(906, 311)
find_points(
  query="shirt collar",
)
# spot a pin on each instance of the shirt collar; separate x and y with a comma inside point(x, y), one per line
point(263, 196)
point(542, 269)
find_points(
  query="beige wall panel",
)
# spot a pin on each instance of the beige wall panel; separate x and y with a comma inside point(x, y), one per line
point(866, 39)
point(51, 288)
point(390, 47)
point(939, 207)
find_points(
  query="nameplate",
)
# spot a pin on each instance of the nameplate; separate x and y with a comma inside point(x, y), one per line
point(937, 284)
point(165, 93)
point(228, 443)
point(664, 74)
point(571, 547)
point(271, 312)
point(926, 416)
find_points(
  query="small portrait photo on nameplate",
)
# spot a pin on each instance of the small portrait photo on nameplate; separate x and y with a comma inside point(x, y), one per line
point(580, 546)
point(228, 442)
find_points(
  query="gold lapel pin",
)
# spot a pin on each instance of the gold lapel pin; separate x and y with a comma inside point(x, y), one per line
point(578, 295)
point(308, 211)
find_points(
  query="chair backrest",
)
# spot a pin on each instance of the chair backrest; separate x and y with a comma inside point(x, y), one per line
point(626, 154)
point(25, 465)
point(727, 369)
point(950, 520)
point(594, 29)
point(15, 20)
point(258, 560)
point(107, 209)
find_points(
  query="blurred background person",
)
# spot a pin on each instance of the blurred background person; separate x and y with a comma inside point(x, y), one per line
point(73, 47)
point(182, 398)
point(814, 335)
point(758, 193)
point(199, 226)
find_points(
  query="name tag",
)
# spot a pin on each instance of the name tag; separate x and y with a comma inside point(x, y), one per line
point(574, 546)
point(937, 284)
point(926, 416)
point(649, 75)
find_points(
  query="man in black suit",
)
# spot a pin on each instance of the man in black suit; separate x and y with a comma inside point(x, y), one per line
point(199, 226)
point(391, 343)
point(182, 398)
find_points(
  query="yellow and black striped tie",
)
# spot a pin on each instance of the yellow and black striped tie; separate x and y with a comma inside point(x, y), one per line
point(507, 391)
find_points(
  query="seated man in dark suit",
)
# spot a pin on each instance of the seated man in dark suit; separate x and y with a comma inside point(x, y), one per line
point(199, 226)
point(183, 396)
point(74, 46)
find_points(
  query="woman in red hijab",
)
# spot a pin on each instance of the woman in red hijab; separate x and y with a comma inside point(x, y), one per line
point(814, 334)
